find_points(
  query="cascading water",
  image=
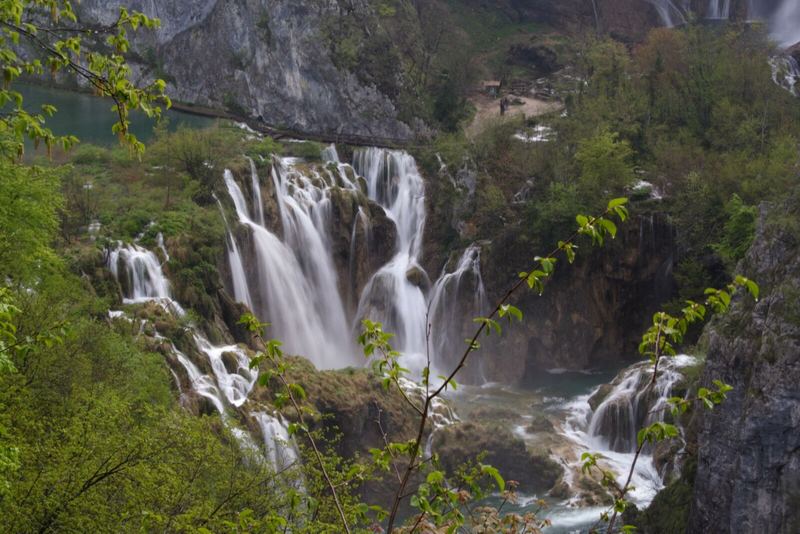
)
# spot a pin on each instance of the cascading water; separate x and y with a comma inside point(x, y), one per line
point(455, 299)
point(632, 404)
point(611, 428)
point(390, 297)
point(296, 286)
point(719, 9)
point(786, 72)
point(785, 23)
point(141, 277)
point(670, 14)
point(231, 379)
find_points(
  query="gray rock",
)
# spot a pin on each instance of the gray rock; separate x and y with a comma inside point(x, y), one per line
point(748, 471)
point(261, 58)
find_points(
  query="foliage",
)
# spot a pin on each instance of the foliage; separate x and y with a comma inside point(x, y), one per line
point(29, 203)
point(56, 41)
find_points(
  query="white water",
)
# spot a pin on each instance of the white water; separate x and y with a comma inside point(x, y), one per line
point(143, 277)
point(786, 72)
point(719, 9)
point(670, 14)
point(785, 23)
point(448, 320)
point(394, 182)
point(295, 289)
point(294, 283)
point(224, 387)
point(629, 409)
point(632, 405)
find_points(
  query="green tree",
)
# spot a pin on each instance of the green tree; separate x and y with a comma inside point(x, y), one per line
point(45, 36)
point(605, 165)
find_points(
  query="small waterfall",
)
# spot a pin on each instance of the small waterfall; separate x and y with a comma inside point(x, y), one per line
point(231, 380)
point(258, 204)
point(330, 154)
point(670, 14)
point(141, 277)
point(280, 449)
point(719, 10)
point(241, 291)
point(456, 298)
point(786, 72)
point(632, 405)
point(394, 182)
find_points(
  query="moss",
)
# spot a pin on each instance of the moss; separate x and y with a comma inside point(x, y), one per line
point(669, 511)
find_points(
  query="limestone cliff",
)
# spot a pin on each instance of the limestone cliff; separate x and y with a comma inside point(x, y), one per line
point(748, 469)
point(262, 59)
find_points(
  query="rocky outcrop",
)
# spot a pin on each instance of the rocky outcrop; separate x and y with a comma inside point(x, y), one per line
point(265, 60)
point(748, 469)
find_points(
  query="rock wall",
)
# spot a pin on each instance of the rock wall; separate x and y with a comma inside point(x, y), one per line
point(262, 58)
point(592, 313)
point(748, 469)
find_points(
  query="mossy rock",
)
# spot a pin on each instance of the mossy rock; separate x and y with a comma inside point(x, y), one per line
point(460, 443)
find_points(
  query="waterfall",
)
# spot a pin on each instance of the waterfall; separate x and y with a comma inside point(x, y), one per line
point(786, 72)
point(456, 298)
point(241, 291)
point(231, 378)
point(141, 277)
point(785, 23)
point(258, 204)
point(719, 9)
point(670, 14)
point(632, 405)
point(390, 296)
point(280, 449)
point(296, 287)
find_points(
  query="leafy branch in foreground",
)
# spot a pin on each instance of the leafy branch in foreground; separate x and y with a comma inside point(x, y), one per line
point(51, 29)
point(375, 341)
point(658, 342)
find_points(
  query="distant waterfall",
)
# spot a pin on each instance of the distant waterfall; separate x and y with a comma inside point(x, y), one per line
point(139, 273)
point(670, 14)
point(632, 405)
point(719, 9)
point(785, 23)
point(786, 72)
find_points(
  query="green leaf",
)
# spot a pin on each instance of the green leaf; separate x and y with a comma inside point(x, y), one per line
point(494, 473)
point(615, 202)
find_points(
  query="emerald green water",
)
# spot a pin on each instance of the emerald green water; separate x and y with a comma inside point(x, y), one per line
point(90, 118)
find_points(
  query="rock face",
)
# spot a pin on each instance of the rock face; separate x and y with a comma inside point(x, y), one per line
point(592, 312)
point(748, 470)
point(263, 59)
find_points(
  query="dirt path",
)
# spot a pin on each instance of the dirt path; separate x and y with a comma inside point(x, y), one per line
point(488, 109)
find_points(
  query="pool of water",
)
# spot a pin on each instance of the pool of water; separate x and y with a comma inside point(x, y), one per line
point(90, 118)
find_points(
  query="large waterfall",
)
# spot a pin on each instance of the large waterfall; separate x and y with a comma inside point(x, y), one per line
point(291, 280)
point(782, 16)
